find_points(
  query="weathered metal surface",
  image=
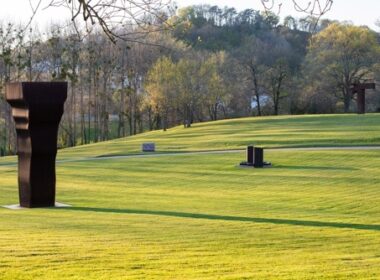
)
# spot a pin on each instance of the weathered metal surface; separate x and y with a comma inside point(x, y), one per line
point(359, 89)
point(37, 108)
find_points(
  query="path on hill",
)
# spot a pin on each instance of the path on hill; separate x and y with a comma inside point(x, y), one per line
point(157, 154)
point(216, 152)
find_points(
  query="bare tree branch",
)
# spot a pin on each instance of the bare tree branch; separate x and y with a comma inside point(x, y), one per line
point(315, 8)
point(113, 16)
point(34, 12)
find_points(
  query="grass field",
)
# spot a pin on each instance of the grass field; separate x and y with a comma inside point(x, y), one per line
point(313, 215)
point(283, 131)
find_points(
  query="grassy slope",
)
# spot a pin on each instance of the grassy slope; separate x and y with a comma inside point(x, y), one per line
point(313, 215)
point(270, 132)
point(283, 131)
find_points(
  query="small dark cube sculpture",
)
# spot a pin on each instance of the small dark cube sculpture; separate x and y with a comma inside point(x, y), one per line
point(255, 158)
point(37, 108)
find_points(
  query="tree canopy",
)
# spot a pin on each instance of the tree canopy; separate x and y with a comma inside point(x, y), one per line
point(214, 63)
point(343, 54)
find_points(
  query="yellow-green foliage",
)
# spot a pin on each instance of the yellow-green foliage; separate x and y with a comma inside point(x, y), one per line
point(340, 55)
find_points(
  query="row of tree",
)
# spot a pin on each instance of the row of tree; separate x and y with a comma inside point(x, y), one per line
point(214, 63)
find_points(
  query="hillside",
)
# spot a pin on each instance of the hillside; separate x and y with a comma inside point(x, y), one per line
point(198, 216)
point(270, 132)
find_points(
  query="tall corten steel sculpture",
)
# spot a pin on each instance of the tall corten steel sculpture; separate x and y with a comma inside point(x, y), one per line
point(359, 89)
point(37, 108)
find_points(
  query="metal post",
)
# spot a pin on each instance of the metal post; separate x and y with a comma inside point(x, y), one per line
point(360, 99)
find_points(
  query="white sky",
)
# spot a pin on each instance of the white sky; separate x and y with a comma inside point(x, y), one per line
point(360, 12)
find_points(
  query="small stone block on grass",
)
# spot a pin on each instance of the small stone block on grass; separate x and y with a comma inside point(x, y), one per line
point(148, 147)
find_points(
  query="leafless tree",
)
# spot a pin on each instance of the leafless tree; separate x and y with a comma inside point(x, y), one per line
point(114, 17)
point(316, 8)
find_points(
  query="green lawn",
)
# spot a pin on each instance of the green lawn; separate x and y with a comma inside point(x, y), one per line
point(269, 132)
point(282, 131)
point(313, 215)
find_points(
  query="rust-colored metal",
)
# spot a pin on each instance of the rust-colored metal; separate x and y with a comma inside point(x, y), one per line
point(359, 89)
point(37, 108)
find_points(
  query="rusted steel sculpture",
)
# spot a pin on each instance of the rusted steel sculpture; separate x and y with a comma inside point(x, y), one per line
point(359, 89)
point(37, 108)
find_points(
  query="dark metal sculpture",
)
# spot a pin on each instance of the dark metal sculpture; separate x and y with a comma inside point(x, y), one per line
point(259, 157)
point(255, 158)
point(250, 156)
point(359, 89)
point(37, 108)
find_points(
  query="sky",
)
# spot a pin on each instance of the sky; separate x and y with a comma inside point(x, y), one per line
point(359, 12)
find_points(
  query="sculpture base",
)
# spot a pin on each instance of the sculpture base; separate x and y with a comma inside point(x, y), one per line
point(250, 165)
point(18, 207)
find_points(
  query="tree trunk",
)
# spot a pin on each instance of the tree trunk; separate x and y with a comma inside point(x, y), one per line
point(257, 94)
point(164, 120)
point(150, 121)
point(104, 112)
point(89, 107)
point(73, 115)
point(121, 126)
point(82, 118)
point(96, 111)
point(347, 99)
point(276, 108)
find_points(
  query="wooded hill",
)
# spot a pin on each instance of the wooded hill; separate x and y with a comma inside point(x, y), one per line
point(214, 63)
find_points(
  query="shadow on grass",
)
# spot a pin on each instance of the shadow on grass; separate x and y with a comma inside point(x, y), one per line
point(295, 167)
point(229, 218)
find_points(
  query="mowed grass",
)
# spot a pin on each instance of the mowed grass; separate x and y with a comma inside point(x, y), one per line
point(267, 132)
point(270, 132)
point(313, 215)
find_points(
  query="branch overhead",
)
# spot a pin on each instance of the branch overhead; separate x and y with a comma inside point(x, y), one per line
point(316, 8)
point(114, 16)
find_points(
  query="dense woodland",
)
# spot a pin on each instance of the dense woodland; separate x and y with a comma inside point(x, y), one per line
point(213, 63)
